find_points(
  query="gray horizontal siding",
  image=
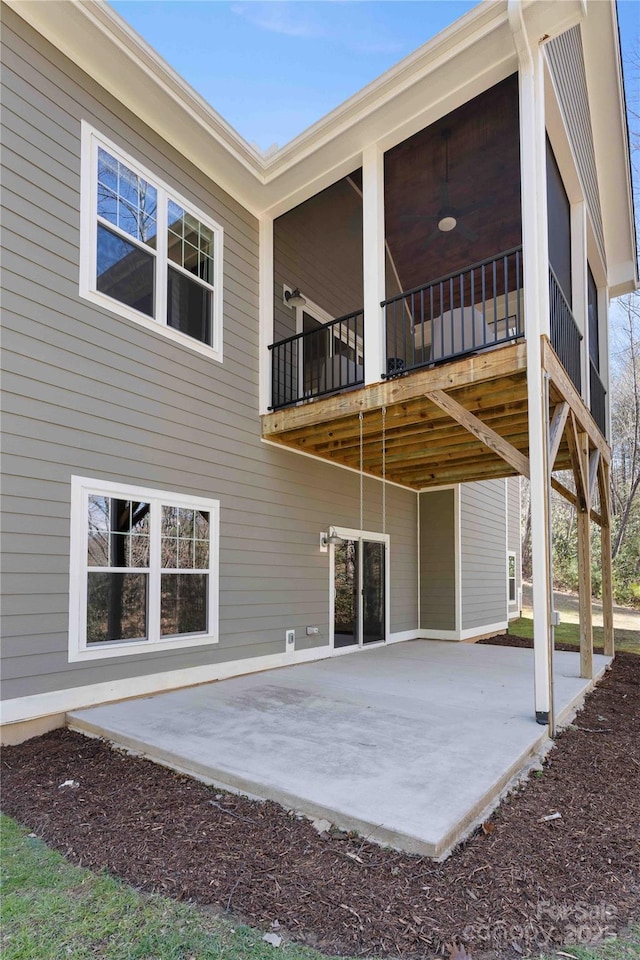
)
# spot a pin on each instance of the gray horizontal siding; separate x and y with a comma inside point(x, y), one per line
point(566, 62)
point(89, 393)
point(437, 560)
point(318, 248)
point(483, 554)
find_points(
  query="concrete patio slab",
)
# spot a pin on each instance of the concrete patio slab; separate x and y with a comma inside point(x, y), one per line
point(408, 744)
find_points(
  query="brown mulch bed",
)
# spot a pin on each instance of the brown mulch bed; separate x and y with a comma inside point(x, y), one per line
point(521, 884)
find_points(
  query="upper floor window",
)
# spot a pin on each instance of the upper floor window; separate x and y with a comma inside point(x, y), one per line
point(146, 253)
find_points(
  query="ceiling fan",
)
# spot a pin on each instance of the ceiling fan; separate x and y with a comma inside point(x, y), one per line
point(448, 216)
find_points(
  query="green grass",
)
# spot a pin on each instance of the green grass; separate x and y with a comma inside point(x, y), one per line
point(52, 910)
point(627, 641)
point(623, 949)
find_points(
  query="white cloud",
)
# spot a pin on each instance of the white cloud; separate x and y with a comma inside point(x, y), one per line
point(279, 16)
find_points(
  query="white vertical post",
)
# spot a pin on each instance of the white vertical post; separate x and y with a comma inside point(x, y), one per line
point(536, 312)
point(579, 299)
point(265, 311)
point(373, 262)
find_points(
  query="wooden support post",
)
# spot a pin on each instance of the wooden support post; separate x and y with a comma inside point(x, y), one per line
point(605, 547)
point(584, 570)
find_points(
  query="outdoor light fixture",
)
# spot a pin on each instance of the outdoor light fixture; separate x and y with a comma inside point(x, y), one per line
point(293, 298)
point(331, 537)
point(447, 224)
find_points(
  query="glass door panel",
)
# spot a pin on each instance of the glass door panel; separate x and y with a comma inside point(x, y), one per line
point(346, 577)
point(373, 591)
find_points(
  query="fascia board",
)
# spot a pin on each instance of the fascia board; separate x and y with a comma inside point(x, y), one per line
point(611, 144)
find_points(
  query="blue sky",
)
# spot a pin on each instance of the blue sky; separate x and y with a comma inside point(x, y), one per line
point(274, 67)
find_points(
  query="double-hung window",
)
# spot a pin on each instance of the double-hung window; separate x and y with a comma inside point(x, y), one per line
point(144, 570)
point(146, 253)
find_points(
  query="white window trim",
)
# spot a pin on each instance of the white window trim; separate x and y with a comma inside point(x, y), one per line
point(81, 489)
point(91, 139)
point(350, 533)
point(510, 602)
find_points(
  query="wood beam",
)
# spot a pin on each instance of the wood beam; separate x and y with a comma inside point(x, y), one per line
point(573, 500)
point(594, 460)
point(569, 393)
point(584, 575)
point(579, 473)
point(484, 366)
point(606, 561)
point(479, 429)
point(556, 430)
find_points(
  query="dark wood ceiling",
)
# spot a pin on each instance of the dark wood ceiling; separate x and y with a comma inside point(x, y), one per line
point(483, 188)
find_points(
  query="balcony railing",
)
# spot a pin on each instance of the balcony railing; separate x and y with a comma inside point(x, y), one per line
point(565, 335)
point(317, 362)
point(598, 396)
point(475, 309)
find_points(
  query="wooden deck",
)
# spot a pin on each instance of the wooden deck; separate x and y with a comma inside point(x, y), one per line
point(460, 421)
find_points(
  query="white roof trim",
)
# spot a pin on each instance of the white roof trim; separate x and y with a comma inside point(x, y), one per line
point(386, 111)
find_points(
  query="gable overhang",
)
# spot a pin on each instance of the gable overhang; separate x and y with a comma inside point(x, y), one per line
point(603, 64)
point(471, 55)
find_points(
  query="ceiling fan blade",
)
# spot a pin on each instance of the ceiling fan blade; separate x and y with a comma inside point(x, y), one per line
point(429, 240)
point(475, 207)
point(465, 231)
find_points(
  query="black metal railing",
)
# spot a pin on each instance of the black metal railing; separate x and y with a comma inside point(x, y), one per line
point(324, 360)
point(598, 396)
point(565, 335)
point(474, 309)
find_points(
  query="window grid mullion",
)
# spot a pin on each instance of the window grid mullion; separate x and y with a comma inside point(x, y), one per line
point(187, 273)
point(153, 599)
point(119, 232)
point(163, 257)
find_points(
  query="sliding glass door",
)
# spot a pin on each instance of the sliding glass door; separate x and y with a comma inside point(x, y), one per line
point(359, 590)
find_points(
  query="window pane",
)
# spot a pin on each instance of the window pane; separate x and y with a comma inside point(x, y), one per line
point(183, 605)
point(118, 533)
point(125, 272)
point(189, 307)
point(116, 607)
point(190, 243)
point(126, 200)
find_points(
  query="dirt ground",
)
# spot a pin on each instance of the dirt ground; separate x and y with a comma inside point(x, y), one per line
point(567, 604)
point(558, 862)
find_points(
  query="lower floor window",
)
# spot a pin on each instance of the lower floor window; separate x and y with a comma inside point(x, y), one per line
point(143, 569)
point(511, 577)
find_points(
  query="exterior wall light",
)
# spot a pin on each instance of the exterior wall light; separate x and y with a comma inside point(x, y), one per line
point(331, 537)
point(293, 298)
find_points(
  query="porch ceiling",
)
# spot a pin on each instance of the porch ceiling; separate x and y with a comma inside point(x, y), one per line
point(425, 446)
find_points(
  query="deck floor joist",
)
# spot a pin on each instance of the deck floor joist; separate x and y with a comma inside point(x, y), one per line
point(424, 446)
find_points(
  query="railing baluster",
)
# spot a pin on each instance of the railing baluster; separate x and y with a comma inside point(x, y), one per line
point(330, 361)
point(565, 335)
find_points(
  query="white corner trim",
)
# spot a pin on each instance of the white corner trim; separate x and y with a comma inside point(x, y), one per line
point(265, 312)
point(457, 532)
